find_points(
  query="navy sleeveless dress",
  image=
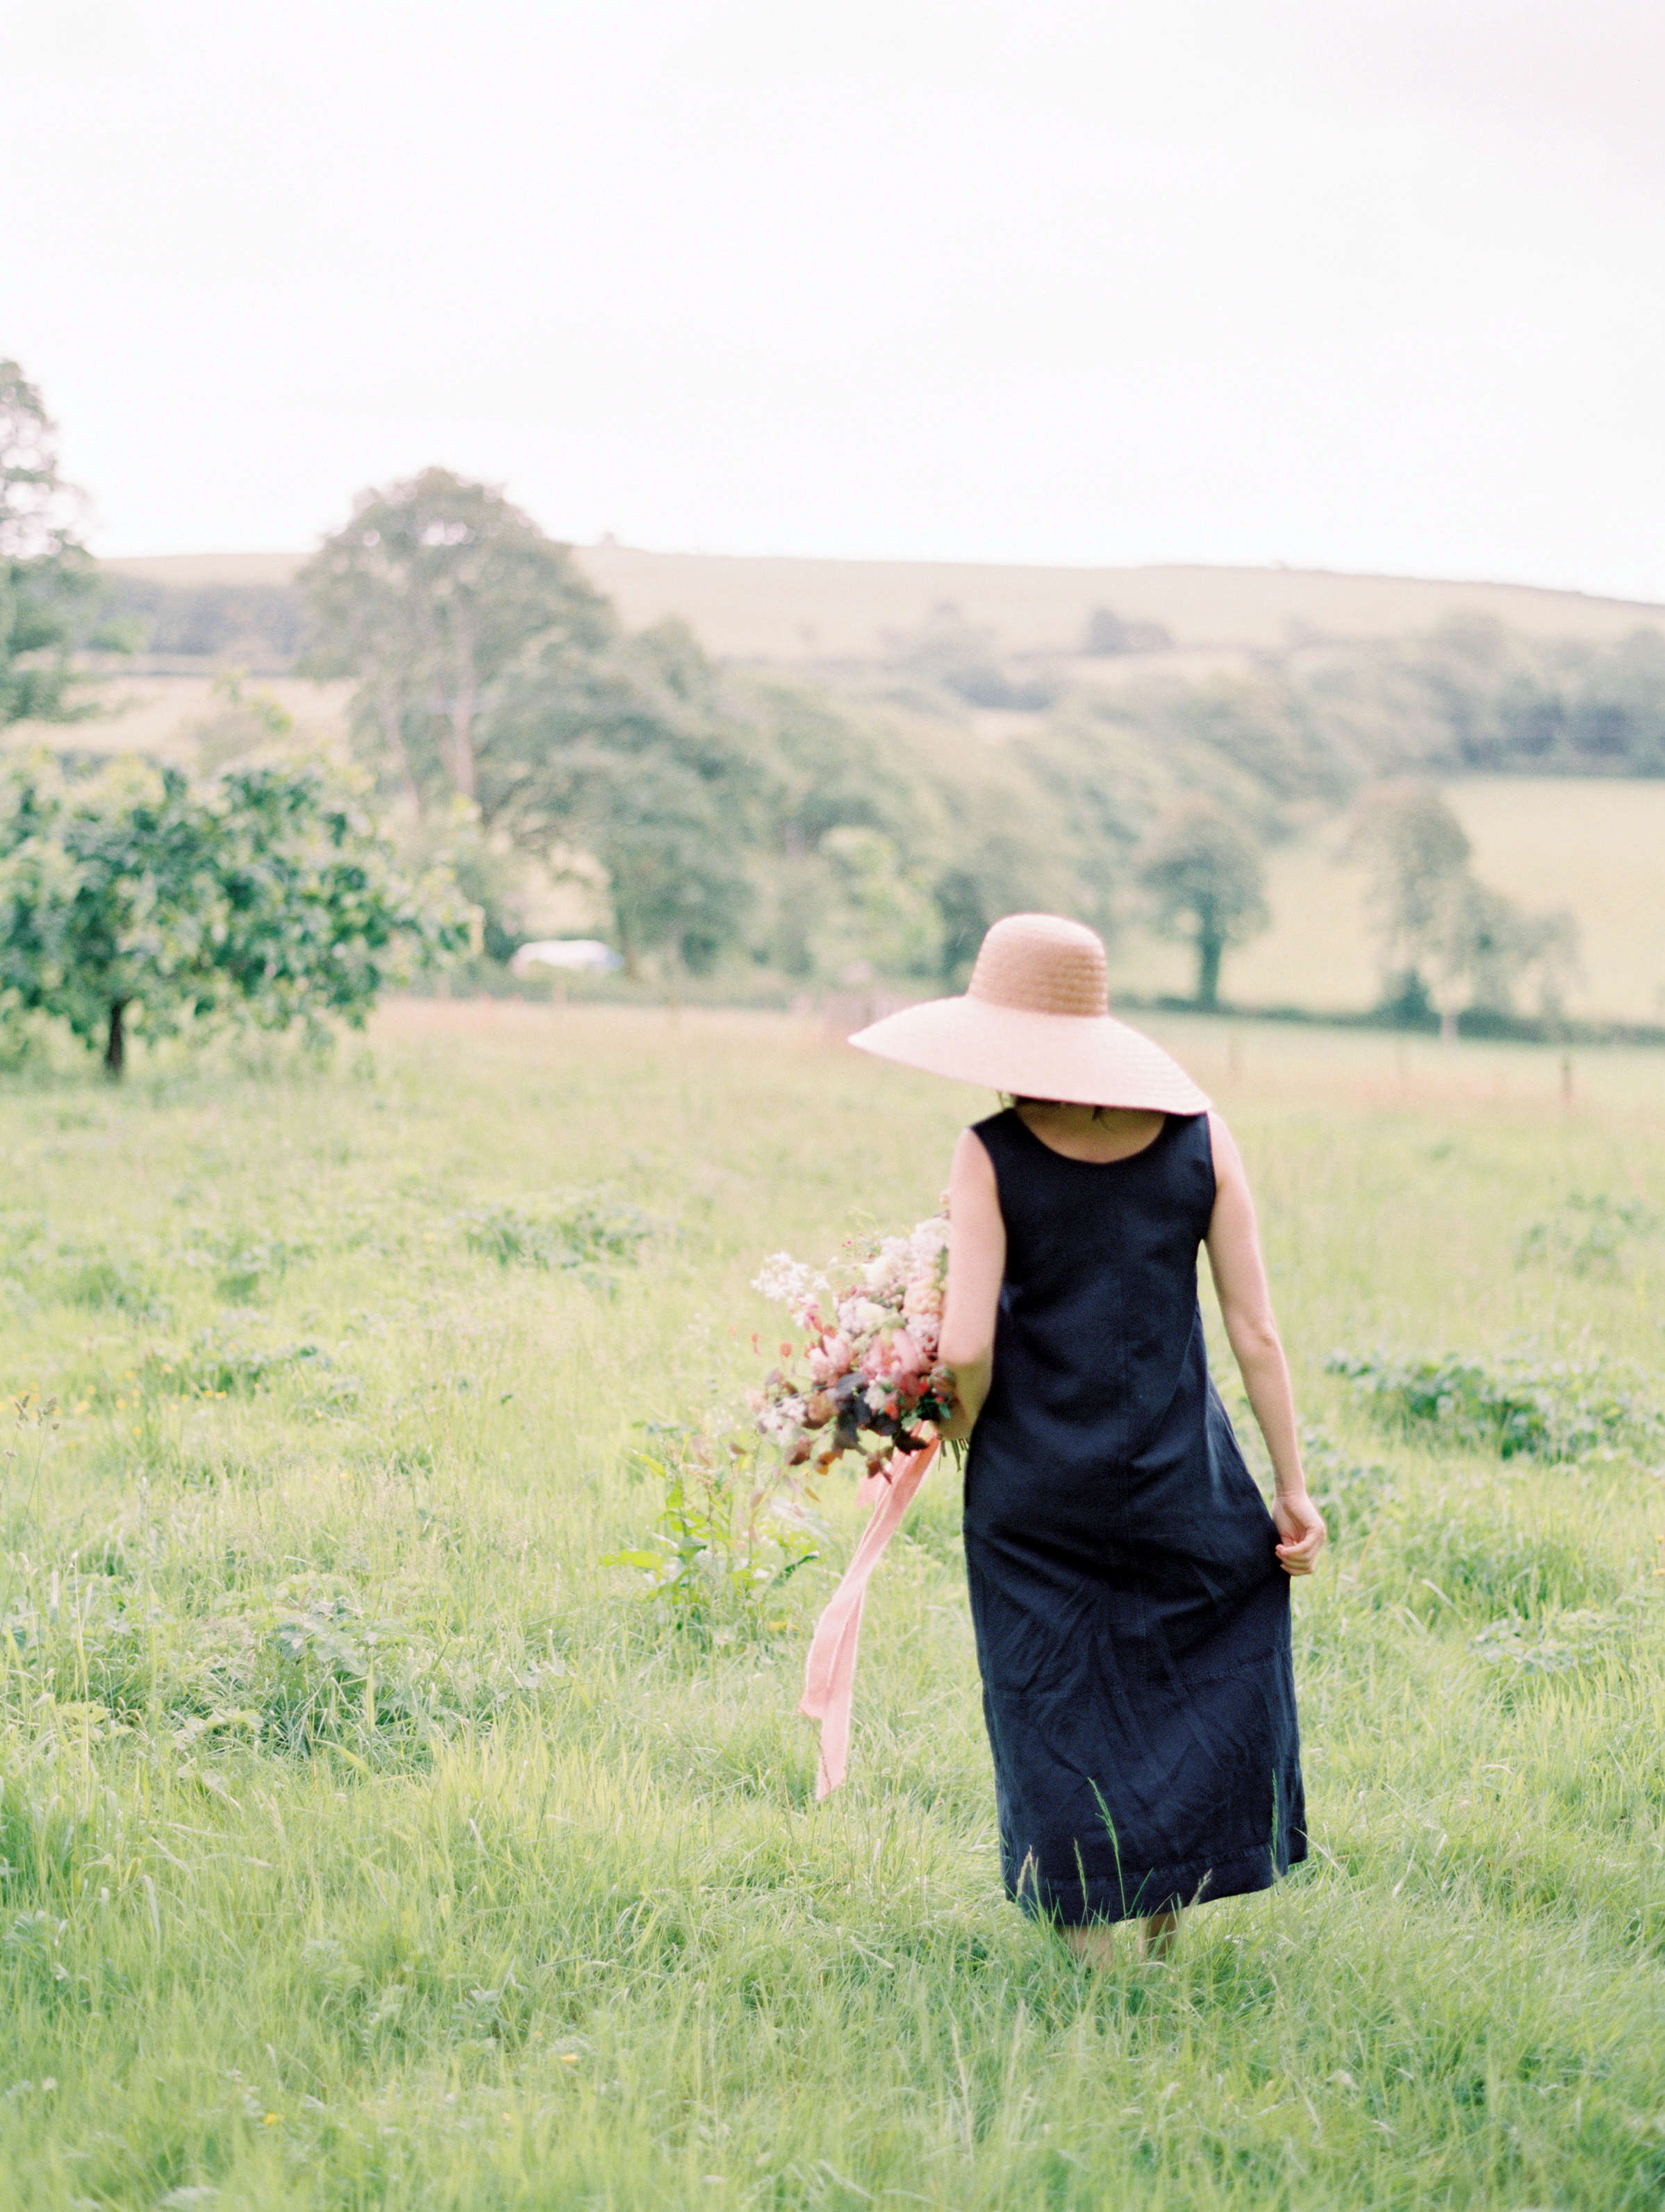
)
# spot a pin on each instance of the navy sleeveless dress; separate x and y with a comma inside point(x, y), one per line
point(1132, 1617)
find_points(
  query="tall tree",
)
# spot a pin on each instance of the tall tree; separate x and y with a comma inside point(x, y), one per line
point(1207, 885)
point(1417, 852)
point(427, 596)
point(634, 756)
point(48, 592)
point(265, 894)
point(1448, 941)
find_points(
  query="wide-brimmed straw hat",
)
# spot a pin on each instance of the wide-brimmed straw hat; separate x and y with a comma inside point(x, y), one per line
point(1036, 1021)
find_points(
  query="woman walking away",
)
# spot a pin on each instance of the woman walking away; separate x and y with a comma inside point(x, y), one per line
point(1129, 1590)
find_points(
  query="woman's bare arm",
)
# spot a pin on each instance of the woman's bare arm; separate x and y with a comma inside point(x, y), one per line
point(1239, 1271)
point(977, 1266)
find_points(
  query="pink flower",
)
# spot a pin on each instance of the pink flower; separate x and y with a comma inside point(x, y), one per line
point(829, 1359)
point(894, 1357)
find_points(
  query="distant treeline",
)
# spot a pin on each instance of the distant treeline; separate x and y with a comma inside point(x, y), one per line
point(1471, 696)
point(262, 627)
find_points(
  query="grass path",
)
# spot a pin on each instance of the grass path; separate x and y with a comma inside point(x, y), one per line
point(365, 1842)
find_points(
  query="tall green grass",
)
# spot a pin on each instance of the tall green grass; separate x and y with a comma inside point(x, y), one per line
point(368, 1841)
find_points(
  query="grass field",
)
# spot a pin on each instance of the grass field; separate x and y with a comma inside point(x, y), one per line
point(367, 1842)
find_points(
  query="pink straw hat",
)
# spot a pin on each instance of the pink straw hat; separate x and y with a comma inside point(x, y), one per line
point(1036, 1021)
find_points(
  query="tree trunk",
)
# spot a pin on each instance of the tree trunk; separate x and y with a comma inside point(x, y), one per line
point(1447, 1025)
point(115, 1051)
point(389, 713)
point(464, 696)
point(1211, 945)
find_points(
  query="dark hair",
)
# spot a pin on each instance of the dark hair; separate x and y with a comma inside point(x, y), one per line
point(1014, 1098)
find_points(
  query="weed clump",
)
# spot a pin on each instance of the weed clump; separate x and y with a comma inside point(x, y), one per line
point(1543, 1409)
point(728, 1538)
point(1349, 1493)
point(590, 1235)
point(1588, 1233)
point(215, 1366)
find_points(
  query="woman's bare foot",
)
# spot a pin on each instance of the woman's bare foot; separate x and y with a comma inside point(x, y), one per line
point(1160, 1930)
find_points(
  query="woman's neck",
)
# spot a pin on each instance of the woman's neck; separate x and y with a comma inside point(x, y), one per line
point(1102, 1134)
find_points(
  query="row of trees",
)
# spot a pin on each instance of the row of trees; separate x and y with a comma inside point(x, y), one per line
point(490, 670)
point(507, 716)
point(717, 812)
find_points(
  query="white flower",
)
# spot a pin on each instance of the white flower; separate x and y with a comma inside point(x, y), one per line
point(875, 1394)
point(784, 1420)
point(789, 1283)
point(869, 1316)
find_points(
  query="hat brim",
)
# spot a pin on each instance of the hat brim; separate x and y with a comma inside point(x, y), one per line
point(1086, 1059)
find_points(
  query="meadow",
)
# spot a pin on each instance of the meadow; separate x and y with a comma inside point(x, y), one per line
point(368, 1840)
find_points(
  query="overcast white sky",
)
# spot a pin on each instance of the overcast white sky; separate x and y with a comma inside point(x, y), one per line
point(1368, 284)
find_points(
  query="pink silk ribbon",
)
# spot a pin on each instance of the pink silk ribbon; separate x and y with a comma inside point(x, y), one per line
point(829, 1672)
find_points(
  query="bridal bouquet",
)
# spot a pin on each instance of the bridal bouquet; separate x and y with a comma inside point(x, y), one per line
point(866, 1377)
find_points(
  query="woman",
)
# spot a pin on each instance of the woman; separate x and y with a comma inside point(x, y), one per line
point(1129, 1590)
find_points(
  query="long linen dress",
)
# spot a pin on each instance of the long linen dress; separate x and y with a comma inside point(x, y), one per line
point(1132, 1619)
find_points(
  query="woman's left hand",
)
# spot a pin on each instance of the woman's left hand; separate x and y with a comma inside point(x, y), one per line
point(1302, 1530)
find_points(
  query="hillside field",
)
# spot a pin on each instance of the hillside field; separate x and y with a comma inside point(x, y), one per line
point(1595, 846)
point(367, 1840)
point(788, 612)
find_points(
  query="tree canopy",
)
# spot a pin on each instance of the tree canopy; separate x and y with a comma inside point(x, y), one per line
point(631, 753)
point(265, 894)
point(1207, 885)
point(48, 592)
point(1447, 940)
point(426, 597)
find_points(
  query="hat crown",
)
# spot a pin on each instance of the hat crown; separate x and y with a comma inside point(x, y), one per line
point(1042, 964)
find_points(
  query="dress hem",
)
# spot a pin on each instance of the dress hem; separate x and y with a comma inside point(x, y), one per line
point(1136, 1892)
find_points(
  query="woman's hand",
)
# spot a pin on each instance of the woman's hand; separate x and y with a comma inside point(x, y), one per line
point(1301, 1527)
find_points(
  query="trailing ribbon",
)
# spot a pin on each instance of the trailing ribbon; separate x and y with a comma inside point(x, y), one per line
point(829, 1671)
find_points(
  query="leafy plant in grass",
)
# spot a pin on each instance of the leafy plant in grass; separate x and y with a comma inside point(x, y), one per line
point(1588, 1233)
point(1546, 1409)
point(727, 1541)
point(1563, 1644)
point(590, 1233)
point(214, 1366)
point(244, 1263)
point(306, 1663)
